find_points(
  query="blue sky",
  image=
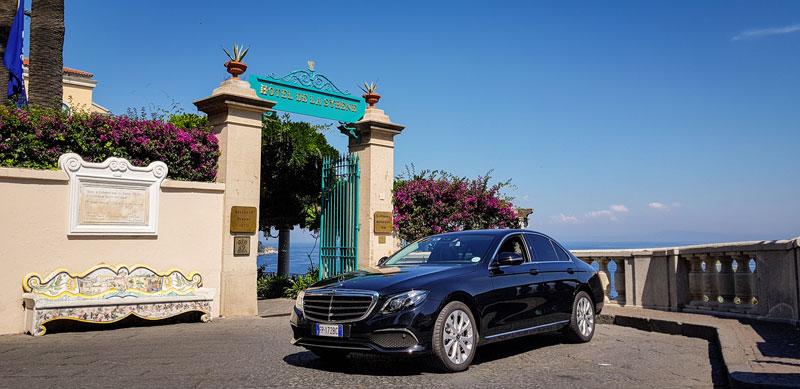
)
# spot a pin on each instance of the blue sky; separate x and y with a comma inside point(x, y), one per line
point(629, 120)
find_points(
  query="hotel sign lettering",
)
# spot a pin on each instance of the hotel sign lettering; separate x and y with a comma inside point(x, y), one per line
point(309, 93)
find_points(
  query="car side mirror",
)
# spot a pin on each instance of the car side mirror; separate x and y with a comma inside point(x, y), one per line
point(507, 258)
point(383, 260)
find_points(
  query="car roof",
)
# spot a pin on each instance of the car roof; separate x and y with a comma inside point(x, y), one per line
point(488, 232)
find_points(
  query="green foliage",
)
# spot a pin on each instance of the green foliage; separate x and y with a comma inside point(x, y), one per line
point(175, 115)
point(369, 87)
point(238, 52)
point(291, 172)
point(302, 283)
point(188, 120)
point(273, 286)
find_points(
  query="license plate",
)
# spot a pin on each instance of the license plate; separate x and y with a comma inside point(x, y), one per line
point(332, 330)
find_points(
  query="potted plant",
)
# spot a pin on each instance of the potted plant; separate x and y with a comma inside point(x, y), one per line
point(235, 65)
point(369, 93)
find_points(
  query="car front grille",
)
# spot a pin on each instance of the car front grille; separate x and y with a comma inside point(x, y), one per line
point(338, 306)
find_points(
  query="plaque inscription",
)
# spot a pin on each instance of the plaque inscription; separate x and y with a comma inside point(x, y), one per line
point(109, 204)
point(383, 222)
point(243, 219)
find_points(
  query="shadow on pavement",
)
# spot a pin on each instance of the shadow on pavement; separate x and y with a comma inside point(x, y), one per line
point(379, 365)
point(364, 364)
point(789, 380)
point(780, 340)
point(511, 347)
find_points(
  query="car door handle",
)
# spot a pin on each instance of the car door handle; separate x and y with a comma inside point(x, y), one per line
point(570, 270)
point(533, 271)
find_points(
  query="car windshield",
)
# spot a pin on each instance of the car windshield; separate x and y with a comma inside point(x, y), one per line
point(443, 249)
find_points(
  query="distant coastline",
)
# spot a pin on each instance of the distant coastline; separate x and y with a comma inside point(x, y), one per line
point(266, 250)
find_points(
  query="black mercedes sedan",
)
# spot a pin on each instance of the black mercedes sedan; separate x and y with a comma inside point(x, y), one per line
point(446, 294)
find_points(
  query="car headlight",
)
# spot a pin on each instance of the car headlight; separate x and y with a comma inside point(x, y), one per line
point(403, 301)
point(299, 302)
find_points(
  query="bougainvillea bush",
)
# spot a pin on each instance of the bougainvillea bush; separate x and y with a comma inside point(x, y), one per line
point(36, 138)
point(430, 203)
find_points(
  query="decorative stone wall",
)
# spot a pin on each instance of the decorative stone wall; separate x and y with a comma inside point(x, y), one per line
point(756, 280)
point(34, 235)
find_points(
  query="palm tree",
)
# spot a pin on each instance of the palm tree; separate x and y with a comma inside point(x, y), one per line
point(8, 9)
point(47, 61)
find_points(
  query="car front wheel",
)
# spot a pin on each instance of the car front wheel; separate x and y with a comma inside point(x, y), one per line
point(581, 323)
point(455, 338)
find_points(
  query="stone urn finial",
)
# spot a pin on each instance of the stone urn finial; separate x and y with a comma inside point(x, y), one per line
point(369, 93)
point(235, 65)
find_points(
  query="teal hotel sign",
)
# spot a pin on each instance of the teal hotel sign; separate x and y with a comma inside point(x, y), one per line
point(309, 93)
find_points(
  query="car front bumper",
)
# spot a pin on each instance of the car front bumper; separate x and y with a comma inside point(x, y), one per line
point(402, 333)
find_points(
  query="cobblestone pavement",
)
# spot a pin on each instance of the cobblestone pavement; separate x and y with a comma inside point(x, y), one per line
point(248, 352)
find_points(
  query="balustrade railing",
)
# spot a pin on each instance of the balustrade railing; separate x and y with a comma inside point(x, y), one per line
point(745, 279)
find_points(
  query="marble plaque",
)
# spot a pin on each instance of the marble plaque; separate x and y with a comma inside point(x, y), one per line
point(107, 204)
point(112, 197)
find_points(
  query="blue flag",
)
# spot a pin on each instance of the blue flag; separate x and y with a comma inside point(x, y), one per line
point(13, 57)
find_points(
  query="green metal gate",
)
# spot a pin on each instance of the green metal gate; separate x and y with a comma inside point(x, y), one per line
point(338, 251)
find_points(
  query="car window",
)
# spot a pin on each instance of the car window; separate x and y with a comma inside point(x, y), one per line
point(562, 256)
point(444, 249)
point(541, 248)
point(514, 244)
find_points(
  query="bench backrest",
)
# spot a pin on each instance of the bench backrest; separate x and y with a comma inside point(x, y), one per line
point(104, 281)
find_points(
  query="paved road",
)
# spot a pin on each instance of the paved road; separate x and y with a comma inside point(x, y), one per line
point(251, 352)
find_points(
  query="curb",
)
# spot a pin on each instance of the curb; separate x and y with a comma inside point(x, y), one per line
point(276, 315)
point(739, 373)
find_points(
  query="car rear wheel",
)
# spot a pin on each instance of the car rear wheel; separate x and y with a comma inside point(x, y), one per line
point(581, 323)
point(455, 338)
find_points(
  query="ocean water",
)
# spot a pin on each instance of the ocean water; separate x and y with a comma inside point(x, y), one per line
point(298, 258)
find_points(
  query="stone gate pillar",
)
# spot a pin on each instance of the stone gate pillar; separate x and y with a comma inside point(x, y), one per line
point(374, 145)
point(235, 113)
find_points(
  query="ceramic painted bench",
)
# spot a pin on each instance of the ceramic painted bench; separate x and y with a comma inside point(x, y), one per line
point(104, 294)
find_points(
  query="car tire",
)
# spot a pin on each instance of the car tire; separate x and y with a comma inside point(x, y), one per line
point(330, 354)
point(582, 321)
point(455, 338)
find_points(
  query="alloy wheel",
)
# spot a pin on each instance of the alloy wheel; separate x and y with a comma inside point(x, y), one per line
point(457, 337)
point(585, 316)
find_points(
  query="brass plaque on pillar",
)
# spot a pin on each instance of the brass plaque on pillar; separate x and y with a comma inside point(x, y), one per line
point(381, 239)
point(241, 245)
point(244, 219)
point(383, 223)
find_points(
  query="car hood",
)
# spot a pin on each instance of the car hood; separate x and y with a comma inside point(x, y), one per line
point(388, 280)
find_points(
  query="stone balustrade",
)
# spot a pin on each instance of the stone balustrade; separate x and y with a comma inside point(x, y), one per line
point(758, 280)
